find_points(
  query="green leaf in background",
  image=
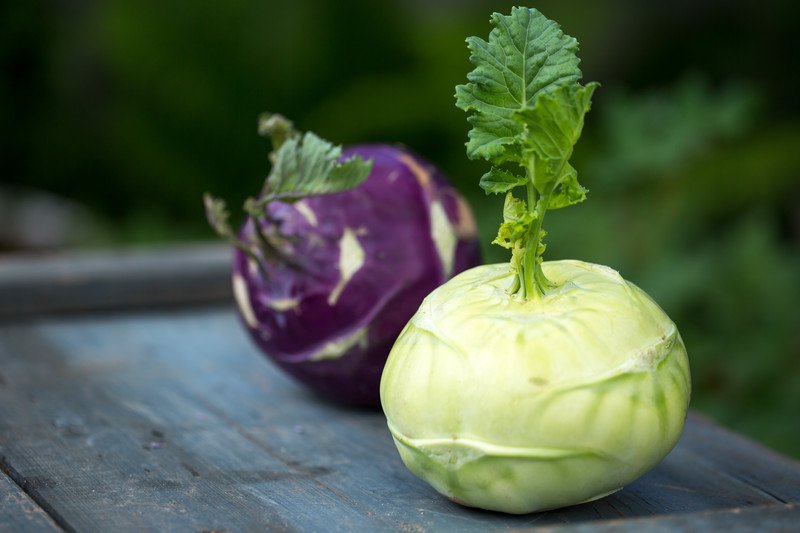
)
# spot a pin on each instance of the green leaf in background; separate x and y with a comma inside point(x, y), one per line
point(301, 166)
point(649, 135)
point(311, 166)
point(218, 218)
point(218, 215)
point(277, 128)
point(499, 181)
point(526, 54)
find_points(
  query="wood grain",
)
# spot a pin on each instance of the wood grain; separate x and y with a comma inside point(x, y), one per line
point(779, 518)
point(171, 420)
point(114, 279)
point(18, 513)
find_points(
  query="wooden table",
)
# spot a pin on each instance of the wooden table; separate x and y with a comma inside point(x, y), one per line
point(131, 400)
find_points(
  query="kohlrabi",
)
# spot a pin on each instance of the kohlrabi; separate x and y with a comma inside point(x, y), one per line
point(336, 254)
point(540, 384)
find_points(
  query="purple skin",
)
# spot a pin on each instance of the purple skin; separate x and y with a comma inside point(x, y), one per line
point(331, 328)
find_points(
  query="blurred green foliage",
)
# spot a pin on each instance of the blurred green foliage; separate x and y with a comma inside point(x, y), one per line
point(691, 154)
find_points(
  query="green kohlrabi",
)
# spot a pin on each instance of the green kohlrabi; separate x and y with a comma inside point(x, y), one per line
point(540, 384)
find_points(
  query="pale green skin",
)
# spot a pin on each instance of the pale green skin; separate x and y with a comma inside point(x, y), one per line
point(521, 406)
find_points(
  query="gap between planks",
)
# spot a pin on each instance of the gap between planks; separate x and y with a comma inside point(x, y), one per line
point(26, 487)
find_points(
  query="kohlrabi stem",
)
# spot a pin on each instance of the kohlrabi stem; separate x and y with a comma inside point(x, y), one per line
point(272, 250)
point(525, 274)
point(252, 255)
point(534, 282)
point(531, 190)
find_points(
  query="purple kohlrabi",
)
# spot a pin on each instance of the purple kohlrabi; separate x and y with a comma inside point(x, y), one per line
point(353, 267)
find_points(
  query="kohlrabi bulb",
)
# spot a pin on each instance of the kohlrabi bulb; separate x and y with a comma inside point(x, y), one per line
point(337, 252)
point(533, 385)
point(524, 405)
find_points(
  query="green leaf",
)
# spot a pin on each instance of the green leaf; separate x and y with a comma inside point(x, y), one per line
point(526, 55)
point(498, 181)
point(552, 127)
point(514, 208)
point(568, 191)
point(510, 233)
point(349, 174)
point(526, 107)
point(516, 221)
point(217, 215)
point(277, 127)
point(301, 166)
point(310, 166)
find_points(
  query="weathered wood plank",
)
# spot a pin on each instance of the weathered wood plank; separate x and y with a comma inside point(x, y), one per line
point(745, 461)
point(123, 278)
point(172, 420)
point(778, 518)
point(18, 513)
point(101, 453)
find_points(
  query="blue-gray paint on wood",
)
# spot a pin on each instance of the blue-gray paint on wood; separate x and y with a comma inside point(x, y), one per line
point(173, 420)
point(18, 512)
